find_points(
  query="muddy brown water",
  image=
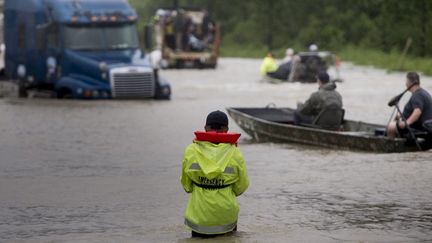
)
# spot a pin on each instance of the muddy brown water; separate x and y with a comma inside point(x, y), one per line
point(108, 171)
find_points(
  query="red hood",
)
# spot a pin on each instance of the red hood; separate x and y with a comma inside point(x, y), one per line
point(217, 137)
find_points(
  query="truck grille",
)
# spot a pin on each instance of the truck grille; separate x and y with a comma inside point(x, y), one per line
point(133, 85)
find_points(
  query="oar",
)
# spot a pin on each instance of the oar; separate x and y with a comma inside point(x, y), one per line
point(395, 100)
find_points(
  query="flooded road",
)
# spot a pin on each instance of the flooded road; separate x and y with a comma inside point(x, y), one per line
point(107, 171)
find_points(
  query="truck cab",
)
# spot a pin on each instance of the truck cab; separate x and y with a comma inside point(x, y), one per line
point(79, 49)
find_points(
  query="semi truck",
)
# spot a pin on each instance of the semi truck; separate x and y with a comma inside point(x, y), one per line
point(2, 47)
point(84, 49)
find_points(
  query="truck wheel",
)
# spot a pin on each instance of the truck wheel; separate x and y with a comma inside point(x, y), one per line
point(212, 65)
point(68, 96)
point(199, 64)
point(179, 64)
point(64, 94)
point(168, 97)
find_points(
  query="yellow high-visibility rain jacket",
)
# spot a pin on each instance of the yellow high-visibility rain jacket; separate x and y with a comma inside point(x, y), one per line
point(268, 65)
point(214, 174)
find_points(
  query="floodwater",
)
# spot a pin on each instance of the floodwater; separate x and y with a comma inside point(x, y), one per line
point(107, 171)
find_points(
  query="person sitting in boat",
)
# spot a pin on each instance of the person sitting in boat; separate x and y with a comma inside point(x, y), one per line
point(312, 64)
point(417, 112)
point(313, 48)
point(289, 54)
point(268, 65)
point(284, 69)
point(324, 98)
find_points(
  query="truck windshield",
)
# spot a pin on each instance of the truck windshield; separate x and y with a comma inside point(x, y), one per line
point(101, 38)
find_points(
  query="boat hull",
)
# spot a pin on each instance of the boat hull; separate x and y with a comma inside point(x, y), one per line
point(272, 125)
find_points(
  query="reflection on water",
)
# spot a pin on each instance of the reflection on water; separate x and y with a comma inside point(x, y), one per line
point(107, 171)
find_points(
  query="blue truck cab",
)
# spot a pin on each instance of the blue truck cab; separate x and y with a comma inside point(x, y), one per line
point(85, 49)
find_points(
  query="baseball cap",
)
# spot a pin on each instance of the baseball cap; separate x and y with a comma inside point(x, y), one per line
point(323, 76)
point(217, 119)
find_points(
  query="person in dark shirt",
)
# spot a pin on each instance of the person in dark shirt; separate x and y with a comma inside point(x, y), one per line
point(417, 111)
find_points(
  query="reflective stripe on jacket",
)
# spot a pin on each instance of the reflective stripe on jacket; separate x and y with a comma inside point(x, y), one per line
point(214, 174)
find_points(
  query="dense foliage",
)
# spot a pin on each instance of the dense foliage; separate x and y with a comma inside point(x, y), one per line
point(383, 25)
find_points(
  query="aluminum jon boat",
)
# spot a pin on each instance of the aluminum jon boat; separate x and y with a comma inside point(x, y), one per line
point(275, 125)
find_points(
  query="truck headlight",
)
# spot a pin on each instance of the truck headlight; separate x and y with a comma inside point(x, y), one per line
point(103, 66)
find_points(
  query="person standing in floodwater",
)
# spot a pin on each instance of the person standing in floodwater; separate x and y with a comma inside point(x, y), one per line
point(215, 173)
point(268, 65)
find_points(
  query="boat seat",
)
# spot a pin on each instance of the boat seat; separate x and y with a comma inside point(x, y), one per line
point(330, 118)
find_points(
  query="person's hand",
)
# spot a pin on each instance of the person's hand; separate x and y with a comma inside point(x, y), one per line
point(401, 124)
point(397, 117)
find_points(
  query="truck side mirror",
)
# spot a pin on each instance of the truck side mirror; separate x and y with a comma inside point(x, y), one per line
point(148, 37)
